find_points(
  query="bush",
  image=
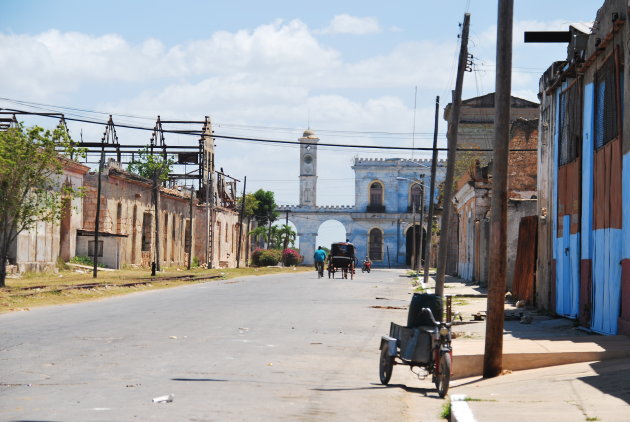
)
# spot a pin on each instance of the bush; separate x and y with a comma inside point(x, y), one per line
point(85, 260)
point(270, 257)
point(291, 257)
point(195, 262)
point(256, 256)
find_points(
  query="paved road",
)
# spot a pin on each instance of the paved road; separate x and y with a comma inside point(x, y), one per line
point(270, 348)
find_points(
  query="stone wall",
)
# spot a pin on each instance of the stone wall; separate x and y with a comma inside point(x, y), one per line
point(37, 249)
point(127, 210)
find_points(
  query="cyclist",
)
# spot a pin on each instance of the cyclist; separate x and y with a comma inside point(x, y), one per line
point(319, 256)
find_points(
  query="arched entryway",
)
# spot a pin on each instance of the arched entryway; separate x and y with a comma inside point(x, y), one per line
point(330, 231)
point(420, 235)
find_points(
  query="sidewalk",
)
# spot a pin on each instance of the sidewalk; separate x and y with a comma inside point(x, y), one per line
point(554, 372)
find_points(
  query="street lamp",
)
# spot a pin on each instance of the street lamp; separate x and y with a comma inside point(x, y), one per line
point(431, 200)
point(415, 261)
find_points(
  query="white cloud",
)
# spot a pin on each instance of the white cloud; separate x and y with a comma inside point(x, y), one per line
point(273, 75)
point(347, 24)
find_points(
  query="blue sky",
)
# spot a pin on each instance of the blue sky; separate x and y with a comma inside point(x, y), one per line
point(268, 69)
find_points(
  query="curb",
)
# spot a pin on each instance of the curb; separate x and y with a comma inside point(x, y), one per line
point(460, 412)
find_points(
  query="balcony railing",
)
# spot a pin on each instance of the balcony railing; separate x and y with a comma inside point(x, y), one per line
point(376, 208)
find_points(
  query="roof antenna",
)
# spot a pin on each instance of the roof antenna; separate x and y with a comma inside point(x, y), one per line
point(308, 121)
point(413, 132)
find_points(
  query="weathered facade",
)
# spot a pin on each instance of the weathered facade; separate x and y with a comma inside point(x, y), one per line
point(472, 202)
point(476, 131)
point(382, 222)
point(584, 150)
point(127, 224)
point(127, 221)
point(37, 249)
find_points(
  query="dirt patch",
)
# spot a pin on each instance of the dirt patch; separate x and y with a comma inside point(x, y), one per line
point(402, 308)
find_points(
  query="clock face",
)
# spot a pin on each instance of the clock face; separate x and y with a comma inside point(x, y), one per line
point(308, 159)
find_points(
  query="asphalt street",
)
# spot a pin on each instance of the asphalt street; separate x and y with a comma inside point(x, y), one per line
point(271, 348)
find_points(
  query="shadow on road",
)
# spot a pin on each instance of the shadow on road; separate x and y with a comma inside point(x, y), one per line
point(198, 379)
point(611, 379)
point(423, 391)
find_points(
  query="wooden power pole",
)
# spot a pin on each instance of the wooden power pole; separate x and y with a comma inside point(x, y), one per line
point(434, 159)
point(493, 356)
point(451, 136)
point(240, 225)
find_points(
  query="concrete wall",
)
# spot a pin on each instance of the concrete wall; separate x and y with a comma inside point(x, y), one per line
point(37, 249)
point(356, 219)
point(111, 249)
point(589, 274)
point(127, 198)
point(517, 209)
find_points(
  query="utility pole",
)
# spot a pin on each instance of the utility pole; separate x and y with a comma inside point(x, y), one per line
point(211, 227)
point(98, 211)
point(240, 225)
point(451, 136)
point(207, 183)
point(188, 234)
point(434, 159)
point(156, 203)
point(414, 233)
point(286, 236)
point(269, 231)
point(420, 243)
point(493, 355)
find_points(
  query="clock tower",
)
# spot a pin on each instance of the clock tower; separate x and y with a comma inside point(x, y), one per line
point(308, 168)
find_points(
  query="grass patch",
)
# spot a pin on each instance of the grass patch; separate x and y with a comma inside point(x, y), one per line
point(71, 286)
point(84, 260)
point(446, 410)
point(593, 418)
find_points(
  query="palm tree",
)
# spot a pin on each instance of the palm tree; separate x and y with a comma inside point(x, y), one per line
point(286, 232)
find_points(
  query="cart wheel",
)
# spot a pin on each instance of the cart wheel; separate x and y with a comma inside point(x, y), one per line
point(444, 376)
point(352, 273)
point(385, 366)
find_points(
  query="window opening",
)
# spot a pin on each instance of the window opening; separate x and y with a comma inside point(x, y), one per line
point(146, 232)
point(416, 195)
point(91, 248)
point(376, 245)
point(606, 107)
point(119, 218)
point(376, 194)
point(570, 124)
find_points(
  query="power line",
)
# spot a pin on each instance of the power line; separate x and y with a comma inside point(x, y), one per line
point(334, 132)
point(251, 139)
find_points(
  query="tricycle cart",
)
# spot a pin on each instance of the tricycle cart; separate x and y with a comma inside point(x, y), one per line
point(425, 343)
point(342, 259)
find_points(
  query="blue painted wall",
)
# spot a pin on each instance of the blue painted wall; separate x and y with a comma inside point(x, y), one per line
point(566, 249)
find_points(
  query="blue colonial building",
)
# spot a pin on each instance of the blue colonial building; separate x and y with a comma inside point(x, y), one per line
point(390, 200)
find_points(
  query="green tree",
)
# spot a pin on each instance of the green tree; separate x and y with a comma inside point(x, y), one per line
point(265, 210)
point(31, 185)
point(147, 164)
point(260, 233)
point(251, 203)
point(286, 236)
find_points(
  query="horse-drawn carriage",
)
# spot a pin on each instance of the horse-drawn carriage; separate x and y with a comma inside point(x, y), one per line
point(342, 259)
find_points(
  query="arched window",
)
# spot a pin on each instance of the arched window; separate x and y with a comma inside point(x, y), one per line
point(119, 218)
point(415, 196)
point(375, 246)
point(375, 203)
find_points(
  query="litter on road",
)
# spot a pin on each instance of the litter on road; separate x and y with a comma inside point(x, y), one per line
point(164, 399)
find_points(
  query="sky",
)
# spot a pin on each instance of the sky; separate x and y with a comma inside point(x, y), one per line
point(355, 72)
